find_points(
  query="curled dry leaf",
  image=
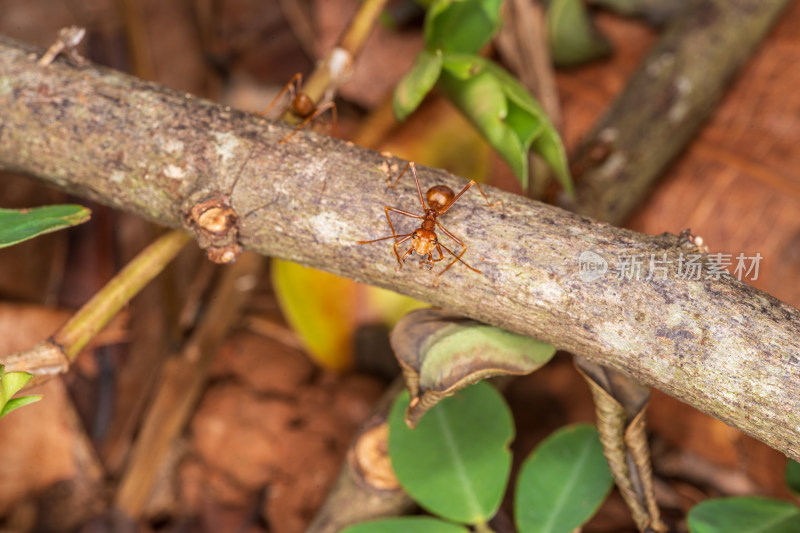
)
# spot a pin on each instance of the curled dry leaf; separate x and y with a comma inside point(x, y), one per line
point(621, 403)
point(441, 353)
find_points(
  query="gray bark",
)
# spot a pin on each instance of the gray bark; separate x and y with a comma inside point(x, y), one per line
point(665, 103)
point(720, 345)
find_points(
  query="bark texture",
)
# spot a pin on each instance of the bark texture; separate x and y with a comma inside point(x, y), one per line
point(720, 345)
point(665, 103)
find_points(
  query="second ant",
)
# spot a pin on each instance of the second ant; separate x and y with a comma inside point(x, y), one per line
point(424, 239)
point(302, 106)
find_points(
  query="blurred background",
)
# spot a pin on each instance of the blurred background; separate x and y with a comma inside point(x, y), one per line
point(309, 357)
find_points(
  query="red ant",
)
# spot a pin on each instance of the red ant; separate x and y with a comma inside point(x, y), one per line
point(301, 106)
point(424, 240)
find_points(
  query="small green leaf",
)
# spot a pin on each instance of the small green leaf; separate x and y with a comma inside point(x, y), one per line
point(744, 515)
point(12, 382)
point(505, 113)
point(462, 26)
point(542, 136)
point(573, 37)
point(17, 225)
point(480, 98)
point(16, 403)
point(417, 83)
point(457, 462)
point(793, 476)
point(407, 524)
point(563, 482)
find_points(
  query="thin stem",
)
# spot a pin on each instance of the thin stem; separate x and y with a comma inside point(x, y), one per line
point(483, 527)
point(98, 311)
point(331, 73)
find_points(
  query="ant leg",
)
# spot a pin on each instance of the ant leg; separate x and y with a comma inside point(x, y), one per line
point(460, 243)
point(398, 243)
point(399, 211)
point(334, 118)
point(297, 79)
point(447, 232)
point(467, 186)
point(394, 247)
point(416, 180)
point(320, 110)
point(441, 255)
point(453, 262)
point(405, 238)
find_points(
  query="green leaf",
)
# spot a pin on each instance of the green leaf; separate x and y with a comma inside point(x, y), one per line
point(744, 515)
point(505, 113)
point(17, 225)
point(563, 482)
point(462, 26)
point(12, 382)
point(16, 403)
point(573, 37)
point(457, 462)
point(441, 353)
point(543, 137)
point(793, 476)
point(417, 83)
point(482, 101)
point(408, 524)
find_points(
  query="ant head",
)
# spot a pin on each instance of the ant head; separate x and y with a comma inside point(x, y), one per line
point(439, 196)
point(424, 241)
point(302, 105)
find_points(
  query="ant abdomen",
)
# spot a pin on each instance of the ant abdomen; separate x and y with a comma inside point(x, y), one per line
point(439, 196)
point(303, 106)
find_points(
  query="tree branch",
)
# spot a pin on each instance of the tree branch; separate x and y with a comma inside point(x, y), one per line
point(665, 103)
point(719, 345)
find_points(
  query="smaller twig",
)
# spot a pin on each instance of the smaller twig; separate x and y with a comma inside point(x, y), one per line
point(53, 356)
point(337, 66)
point(298, 19)
point(68, 39)
point(524, 44)
point(181, 385)
point(139, 52)
point(93, 316)
point(271, 330)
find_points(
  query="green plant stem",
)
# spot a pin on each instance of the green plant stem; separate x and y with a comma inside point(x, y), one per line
point(97, 312)
point(482, 527)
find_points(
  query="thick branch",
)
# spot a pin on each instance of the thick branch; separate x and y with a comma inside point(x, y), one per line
point(720, 345)
point(665, 103)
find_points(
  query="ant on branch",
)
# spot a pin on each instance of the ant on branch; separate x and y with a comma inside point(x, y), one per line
point(301, 106)
point(424, 240)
